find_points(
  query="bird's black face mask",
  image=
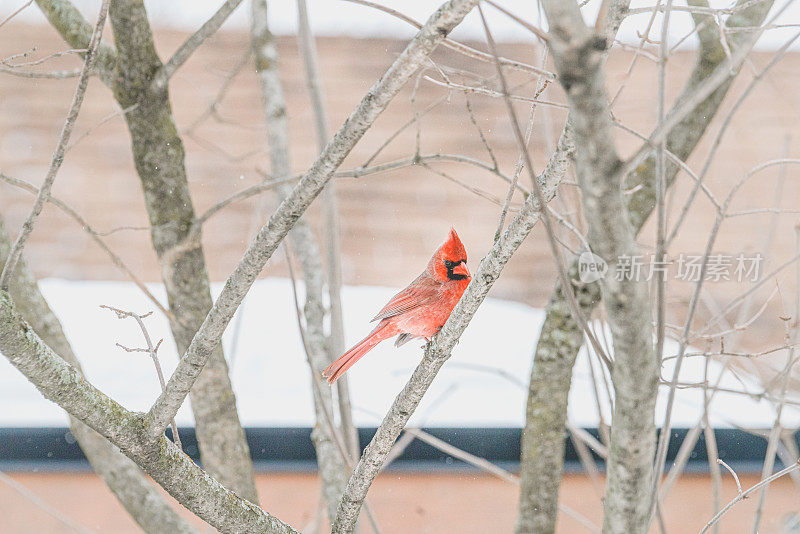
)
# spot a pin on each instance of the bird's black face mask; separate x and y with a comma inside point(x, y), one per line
point(456, 270)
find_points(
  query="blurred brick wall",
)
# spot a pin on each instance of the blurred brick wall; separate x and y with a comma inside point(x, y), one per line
point(423, 503)
point(390, 222)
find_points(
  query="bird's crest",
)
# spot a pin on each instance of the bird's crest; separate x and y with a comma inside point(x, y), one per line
point(453, 249)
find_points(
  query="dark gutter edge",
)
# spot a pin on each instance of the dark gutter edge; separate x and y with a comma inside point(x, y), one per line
point(289, 449)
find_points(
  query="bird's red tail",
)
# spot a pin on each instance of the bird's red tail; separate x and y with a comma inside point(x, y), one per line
point(383, 331)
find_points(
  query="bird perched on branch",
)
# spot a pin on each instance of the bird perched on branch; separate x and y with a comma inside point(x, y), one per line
point(420, 310)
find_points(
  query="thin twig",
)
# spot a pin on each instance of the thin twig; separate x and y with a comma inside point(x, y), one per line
point(744, 494)
point(489, 467)
point(117, 113)
point(724, 128)
point(637, 52)
point(777, 429)
point(15, 13)
point(417, 116)
point(96, 237)
point(327, 417)
point(185, 51)
point(533, 29)
point(58, 154)
point(357, 172)
point(665, 433)
point(459, 47)
point(53, 75)
point(152, 350)
point(211, 110)
point(541, 85)
point(7, 61)
point(661, 278)
point(492, 93)
point(41, 503)
point(720, 75)
point(732, 472)
point(544, 214)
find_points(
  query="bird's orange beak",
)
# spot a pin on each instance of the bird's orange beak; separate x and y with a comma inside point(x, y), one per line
point(461, 269)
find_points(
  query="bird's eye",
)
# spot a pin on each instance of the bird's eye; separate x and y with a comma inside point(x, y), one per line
point(449, 264)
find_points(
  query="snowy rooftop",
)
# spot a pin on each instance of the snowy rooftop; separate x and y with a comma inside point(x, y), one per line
point(484, 384)
point(327, 18)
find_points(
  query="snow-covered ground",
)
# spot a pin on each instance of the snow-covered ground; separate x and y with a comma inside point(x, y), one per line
point(338, 17)
point(482, 385)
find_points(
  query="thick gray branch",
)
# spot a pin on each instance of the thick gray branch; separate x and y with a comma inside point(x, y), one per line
point(308, 50)
point(159, 157)
point(542, 450)
point(139, 497)
point(74, 29)
point(312, 182)
point(172, 469)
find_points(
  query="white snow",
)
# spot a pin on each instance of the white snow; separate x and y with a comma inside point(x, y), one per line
point(338, 17)
point(271, 377)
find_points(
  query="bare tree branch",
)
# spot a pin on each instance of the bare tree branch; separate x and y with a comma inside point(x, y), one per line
point(152, 350)
point(331, 463)
point(40, 503)
point(110, 116)
point(8, 61)
point(328, 436)
point(533, 29)
point(541, 198)
point(77, 33)
point(116, 260)
point(357, 172)
point(459, 47)
point(213, 106)
point(185, 51)
point(53, 75)
point(439, 351)
point(160, 458)
point(15, 13)
point(58, 154)
point(159, 158)
point(714, 81)
point(139, 497)
point(746, 493)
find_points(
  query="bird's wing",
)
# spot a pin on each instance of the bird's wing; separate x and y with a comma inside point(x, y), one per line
point(403, 338)
point(422, 291)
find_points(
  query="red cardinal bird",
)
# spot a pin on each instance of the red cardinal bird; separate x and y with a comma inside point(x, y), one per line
point(420, 310)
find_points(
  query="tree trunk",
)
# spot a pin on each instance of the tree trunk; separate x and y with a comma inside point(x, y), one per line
point(561, 338)
point(159, 158)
